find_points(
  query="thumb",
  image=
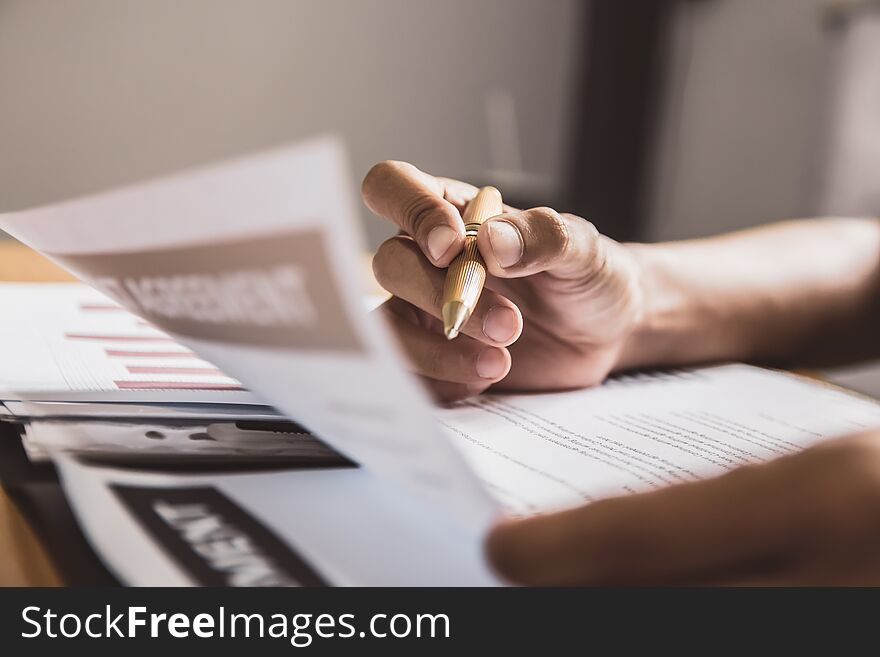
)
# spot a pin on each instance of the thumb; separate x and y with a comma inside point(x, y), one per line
point(537, 240)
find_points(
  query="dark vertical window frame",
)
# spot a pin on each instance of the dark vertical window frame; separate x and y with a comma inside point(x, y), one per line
point(618, 102)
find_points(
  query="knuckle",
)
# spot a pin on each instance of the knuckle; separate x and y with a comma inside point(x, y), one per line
point(551, 230)
point(381, 263)
point(417, 213)
point(588, 226)
point(591, 234)
point(378, 177)
point(594, 250)
point(388, 263)
point(375, 175)
point(436, 298)
point(602, 262)
point(396, 312)
point(382, 170)
point(434, 362)
point(552, 220)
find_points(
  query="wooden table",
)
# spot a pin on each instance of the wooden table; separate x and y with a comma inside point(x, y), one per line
point(23, 561)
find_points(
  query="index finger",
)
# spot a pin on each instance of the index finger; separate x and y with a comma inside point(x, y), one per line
point(424, 207)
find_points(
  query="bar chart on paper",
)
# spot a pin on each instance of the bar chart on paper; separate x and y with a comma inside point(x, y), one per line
point(69, 342)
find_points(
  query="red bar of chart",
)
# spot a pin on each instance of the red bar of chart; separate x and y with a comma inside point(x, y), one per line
point(175, 385)
point(119, 338)
point(129, 353)
point(101, 307)
point(137, 355)
point(152, 369)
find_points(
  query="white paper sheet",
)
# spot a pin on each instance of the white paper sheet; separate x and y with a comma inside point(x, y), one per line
point(350, 525)
point(541, 452)
point(254, 265)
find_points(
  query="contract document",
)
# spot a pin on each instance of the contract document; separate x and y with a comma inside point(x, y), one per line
point(643, 432)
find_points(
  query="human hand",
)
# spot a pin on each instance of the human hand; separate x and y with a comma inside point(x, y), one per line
point(559, 302)
point(812, 518)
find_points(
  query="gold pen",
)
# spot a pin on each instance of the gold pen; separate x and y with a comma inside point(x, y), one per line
point(467, 273)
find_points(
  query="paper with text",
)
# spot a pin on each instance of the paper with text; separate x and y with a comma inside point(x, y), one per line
point(639, 433)
point(350, 524)
point(253, 265)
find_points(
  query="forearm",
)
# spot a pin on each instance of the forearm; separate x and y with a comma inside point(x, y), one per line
point(793, 293)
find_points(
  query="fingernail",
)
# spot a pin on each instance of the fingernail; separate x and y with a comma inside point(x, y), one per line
point(500, 324)
point(490, 363)
point(439, 241)
point(506, 242)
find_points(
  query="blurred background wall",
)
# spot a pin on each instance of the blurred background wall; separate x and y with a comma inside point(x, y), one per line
point(95, 93)
point(657, 119)
point(742, 111)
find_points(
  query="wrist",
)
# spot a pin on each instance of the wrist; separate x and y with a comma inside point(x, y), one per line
point(681, 323)
point(644, 346)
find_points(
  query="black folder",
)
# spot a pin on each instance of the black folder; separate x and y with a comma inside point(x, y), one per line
point(36, 491)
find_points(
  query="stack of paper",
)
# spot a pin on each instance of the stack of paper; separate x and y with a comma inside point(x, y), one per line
point(533, 453)
point(83, 375)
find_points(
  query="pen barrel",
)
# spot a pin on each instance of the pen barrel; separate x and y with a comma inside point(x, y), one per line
point(487, 203)
point(467, 273)
point(466, 276)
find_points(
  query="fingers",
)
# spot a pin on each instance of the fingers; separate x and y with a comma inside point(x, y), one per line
point(524, 243)
point(416, 202)
point(457, 192)
point(403, 271)
point(445, 392)
point(462, 361)
point(675, 534)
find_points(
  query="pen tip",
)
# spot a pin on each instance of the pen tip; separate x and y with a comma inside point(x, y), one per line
point(455, 314)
